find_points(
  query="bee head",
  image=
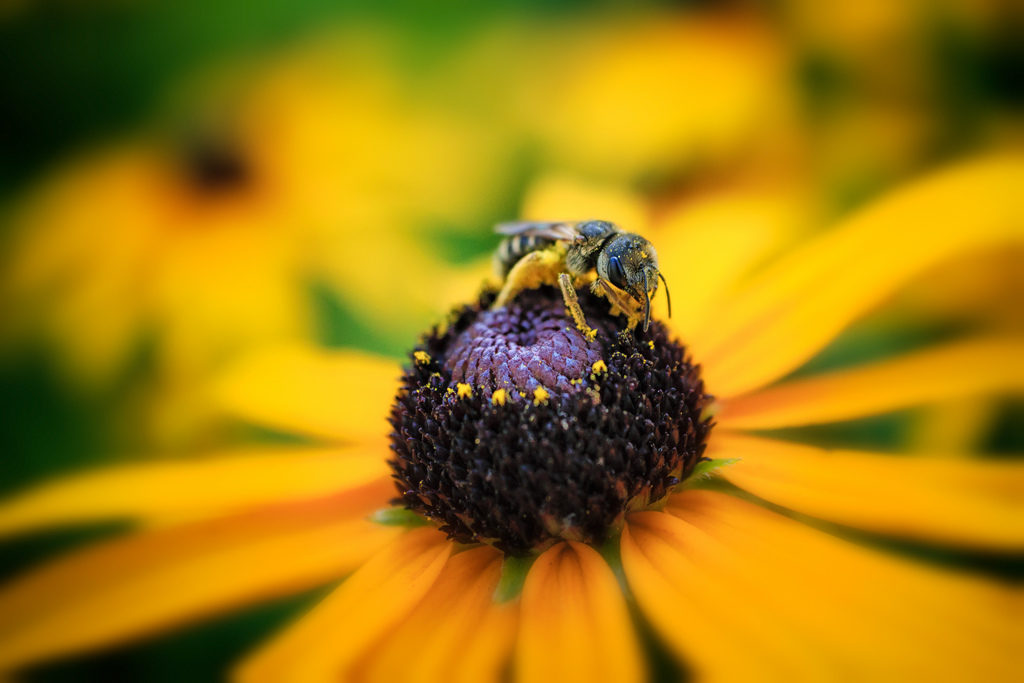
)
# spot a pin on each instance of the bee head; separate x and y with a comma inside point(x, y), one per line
point(630, 263)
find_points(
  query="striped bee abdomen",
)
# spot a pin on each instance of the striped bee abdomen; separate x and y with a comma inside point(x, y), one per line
point(515, 247)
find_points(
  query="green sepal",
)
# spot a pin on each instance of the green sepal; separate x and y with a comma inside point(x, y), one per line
point(513, 575)
point(397, 517)
point(705, 469)
point(611, 551)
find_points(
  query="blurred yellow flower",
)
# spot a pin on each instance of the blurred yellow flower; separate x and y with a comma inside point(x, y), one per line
point(210, 244)
point(734, 585)
point(660, 96)
point(373, 168)
point(129, 239)
point(631, 99)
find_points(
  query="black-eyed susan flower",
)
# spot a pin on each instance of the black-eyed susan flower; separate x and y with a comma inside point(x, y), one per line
point(550, 496)
point(209, 240)
point(661, 95)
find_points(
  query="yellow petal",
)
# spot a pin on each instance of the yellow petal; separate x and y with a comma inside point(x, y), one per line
point(692, 610)
point(963, 368)
point(713, 240)
point(958, 425)
point(951, 500)
point(460, 284)
point(226, 290)
point(391, 284)
point(323, 644)
point(564, 197)
point(62, 281)
point(195, 488)
point(148, 582)
point(574, 624)
point(741, 593)
point(888, 604)
point(457, 633)
point(342, 395)
point(797, 306)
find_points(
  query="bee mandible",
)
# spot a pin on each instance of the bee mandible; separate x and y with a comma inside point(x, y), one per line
point(623, 261)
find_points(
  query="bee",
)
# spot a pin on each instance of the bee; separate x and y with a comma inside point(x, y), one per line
point(623, 261)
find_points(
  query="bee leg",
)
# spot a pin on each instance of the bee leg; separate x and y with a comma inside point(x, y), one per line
point(572, 305)
point(531, 271)
point(621, 303)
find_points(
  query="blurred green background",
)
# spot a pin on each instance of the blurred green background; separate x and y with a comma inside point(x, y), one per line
point(329, 171)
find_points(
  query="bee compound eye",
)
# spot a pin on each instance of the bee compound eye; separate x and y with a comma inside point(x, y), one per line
point(616, 273)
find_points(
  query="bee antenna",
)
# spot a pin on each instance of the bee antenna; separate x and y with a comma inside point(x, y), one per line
point(647, 302)
point(668, 297)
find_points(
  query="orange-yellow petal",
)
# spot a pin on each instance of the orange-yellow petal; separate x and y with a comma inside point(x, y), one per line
point(690, 609)
point(889, 603)
point(574, 625)
point(457, 633)
point(226, 482)
point(323, 644)
point(741, 593)
point(786, 315)
point(964, 368)
point(951, 500)
point(141, 584)
point(711, 241)
point(341, 395)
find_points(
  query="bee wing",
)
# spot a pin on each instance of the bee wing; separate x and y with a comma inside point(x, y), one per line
point(556, 230)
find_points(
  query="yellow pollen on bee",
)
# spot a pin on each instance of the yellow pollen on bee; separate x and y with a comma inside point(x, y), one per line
point(651, 344)
point(599, 367)
point(422, 357)
point(540, 395)
point(464, 390)
point(499, 397)
point(536, 268)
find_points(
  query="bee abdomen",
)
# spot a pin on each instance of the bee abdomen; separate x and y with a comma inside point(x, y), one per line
point(516, 247)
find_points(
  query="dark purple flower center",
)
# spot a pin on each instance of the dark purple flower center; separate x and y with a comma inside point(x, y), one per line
point(512, 429)
point(522, 349)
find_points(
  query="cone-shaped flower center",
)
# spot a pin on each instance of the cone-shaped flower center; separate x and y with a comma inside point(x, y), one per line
point(214, 165)
point(511, 428)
